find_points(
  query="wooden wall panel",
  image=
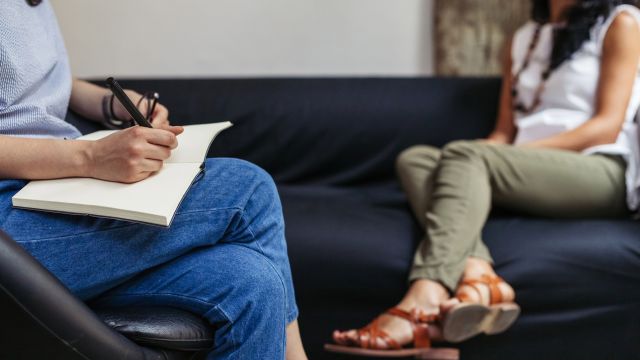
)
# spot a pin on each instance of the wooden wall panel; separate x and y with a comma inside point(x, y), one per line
point(470, 34)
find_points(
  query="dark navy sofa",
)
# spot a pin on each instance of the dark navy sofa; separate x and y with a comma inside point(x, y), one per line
point(330, 144)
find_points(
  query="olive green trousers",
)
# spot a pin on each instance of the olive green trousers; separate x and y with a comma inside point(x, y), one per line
point(451, 192)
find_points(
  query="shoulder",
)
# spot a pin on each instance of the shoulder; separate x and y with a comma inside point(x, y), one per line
point(624, 30)
point(624, 20)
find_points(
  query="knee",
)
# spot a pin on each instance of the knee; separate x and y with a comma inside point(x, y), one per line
point(263, 190)
point(255, 172)
point(262, 287)
point(410, 157)
point(465, 149)
point(248, 292)
point(257, 176)
point(270, 287)
point(240, 169)
point(251, 178)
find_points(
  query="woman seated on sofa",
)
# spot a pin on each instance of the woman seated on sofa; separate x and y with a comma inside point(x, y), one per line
point(224, 257)
point(565, 146)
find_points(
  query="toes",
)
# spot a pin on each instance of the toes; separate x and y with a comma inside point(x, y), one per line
point(338, 337)
point(345, 337)
point(508, 294)
point(352, 337)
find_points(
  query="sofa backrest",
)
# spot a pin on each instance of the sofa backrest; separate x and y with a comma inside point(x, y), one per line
point(342, 131)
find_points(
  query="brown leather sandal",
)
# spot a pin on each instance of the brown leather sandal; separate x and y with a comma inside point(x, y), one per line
point(468, 319)
point(371, 337)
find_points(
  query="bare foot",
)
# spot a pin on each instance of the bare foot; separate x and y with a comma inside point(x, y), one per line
point(475, 269)
point(425, 295)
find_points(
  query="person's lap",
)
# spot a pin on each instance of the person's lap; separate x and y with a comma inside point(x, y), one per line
point(536, 181)
point(236, 289)
point(227, 235)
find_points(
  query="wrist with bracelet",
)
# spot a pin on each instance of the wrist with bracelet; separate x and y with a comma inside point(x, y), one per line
point(112, 121)
point(109, 117)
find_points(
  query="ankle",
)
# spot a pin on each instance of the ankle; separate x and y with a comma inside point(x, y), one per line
point(424, 294)
point(476, 268)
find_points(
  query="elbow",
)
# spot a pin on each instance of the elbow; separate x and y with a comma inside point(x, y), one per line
point(607, 137)
point(606, 133)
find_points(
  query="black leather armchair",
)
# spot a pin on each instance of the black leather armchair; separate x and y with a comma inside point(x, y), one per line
point(41, 319)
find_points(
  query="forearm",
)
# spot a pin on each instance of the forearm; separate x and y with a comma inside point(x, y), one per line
point(33, 159)
point(86, 99)
point(592, 133)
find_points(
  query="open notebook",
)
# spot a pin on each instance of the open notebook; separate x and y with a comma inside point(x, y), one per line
point(153, 200)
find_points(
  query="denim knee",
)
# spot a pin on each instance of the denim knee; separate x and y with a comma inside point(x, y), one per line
point(266, 286)
point(246, 168)
point(260, 303)
point(264, 193)
point(263, 181)
point(249, 303)
point(249, 176)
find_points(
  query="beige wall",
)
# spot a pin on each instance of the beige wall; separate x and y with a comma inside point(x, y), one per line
point(180, 38)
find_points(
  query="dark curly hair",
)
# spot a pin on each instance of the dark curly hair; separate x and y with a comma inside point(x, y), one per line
point(580, 18)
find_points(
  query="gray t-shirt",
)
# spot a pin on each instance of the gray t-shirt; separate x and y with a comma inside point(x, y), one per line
point(35, 78)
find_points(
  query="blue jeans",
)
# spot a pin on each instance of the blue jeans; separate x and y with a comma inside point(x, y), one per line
point(224, 257)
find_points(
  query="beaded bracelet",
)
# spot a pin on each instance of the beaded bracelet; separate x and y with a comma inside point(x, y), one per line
point(110, 120)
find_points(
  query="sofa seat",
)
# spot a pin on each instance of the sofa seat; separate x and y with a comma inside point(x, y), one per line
point(351, 250)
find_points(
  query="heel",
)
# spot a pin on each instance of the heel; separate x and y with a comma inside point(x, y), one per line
point(464, 321)
point(501, 318)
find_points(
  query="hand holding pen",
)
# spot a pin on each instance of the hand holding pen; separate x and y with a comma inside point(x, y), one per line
point(134, 153)
point(118, 92)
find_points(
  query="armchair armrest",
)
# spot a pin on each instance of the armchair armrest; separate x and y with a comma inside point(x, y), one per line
point(31, 294)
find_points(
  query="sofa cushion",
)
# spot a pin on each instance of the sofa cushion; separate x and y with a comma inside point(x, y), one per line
point(577, 281)
point(353, 241)
point(359, 241)
point(562, 264)
point(330, 131)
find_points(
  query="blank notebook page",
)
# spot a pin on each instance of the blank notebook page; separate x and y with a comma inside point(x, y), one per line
point(152, 200)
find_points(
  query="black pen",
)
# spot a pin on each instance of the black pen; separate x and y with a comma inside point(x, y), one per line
point(117, 91)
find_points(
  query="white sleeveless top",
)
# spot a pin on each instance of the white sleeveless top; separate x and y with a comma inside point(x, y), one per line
point(569, 96)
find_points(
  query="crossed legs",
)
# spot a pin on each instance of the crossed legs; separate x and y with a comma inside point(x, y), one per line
point(451, 192)
point(224, 257)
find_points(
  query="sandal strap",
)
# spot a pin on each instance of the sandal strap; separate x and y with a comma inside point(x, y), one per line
point(490, 281)
point(419, 321)
point(391, 344)
point(370, 336)
point(416, 316)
